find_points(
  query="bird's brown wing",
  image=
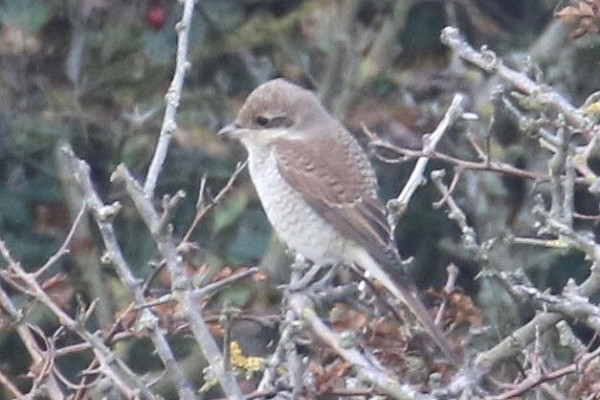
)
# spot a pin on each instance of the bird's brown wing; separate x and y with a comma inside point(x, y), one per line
point(335, 178)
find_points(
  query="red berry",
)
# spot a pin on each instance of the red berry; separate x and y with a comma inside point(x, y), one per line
point(156, 16)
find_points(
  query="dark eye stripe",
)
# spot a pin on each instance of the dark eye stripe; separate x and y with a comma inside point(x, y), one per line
point(262, 121)
point(274, 122)
point(280, 121)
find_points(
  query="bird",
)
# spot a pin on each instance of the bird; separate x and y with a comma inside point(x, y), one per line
point(319, 190)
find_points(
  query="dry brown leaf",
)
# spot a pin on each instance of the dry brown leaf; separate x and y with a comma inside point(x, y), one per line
point(587, 382)
point(344, 318)
point(466, 310)
point(59, 290)
point(225, 272)
point(586, 14)
point(331, 377)
point(260, 277)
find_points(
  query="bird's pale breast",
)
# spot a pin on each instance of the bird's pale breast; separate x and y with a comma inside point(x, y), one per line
point(297, 224)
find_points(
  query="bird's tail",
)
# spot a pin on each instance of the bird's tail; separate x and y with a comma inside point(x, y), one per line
point(404, 290)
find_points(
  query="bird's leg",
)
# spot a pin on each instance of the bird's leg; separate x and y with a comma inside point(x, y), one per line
point(324, 282)
point(367, 288)
point(302, 276)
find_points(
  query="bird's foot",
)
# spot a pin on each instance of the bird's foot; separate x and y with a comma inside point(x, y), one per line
point(304, 278)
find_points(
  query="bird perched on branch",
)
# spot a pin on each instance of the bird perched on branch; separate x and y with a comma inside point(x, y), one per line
point(319, 190)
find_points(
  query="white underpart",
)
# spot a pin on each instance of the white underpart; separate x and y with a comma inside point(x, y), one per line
point(296, 223)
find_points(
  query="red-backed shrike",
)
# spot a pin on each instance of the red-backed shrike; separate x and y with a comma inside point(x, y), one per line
point(319, 189)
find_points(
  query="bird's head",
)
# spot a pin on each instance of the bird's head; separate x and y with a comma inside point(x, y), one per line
point(274, 110)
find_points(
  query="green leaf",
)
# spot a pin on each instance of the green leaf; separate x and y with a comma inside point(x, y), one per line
point(35, 136)
point(160, 46)
point(226, 14)
point(251, 238)
point(236, 296)
point(229, 211)
point(13, 210)
point(28, 15)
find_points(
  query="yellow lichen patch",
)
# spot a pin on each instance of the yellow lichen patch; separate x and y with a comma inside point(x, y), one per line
point(243, 364)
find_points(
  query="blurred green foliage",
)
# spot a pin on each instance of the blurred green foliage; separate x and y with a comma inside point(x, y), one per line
point(29, 15)
point(112, 112)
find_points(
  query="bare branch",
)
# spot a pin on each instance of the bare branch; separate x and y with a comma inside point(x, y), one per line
point(400, 204)
point(203, 209)
point(103, 216)
point(452, 272)
point(105, 357)
point(203, 291)
point(498, 167)
point(180, 283)
point(490, 63)
point(169, 125)
point(365, 368)
point(534, 381)
point(64, 248)
point(8, 385)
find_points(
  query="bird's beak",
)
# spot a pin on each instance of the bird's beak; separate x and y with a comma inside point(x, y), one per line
point(227, 131)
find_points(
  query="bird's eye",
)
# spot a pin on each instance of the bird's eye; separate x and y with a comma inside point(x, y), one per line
point(262, 121)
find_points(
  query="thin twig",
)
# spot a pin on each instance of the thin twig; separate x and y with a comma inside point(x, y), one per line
point(498, 167)
point(103, 216)
point(64, 248)
point(452, 272)
point(10, 387)
point(104, 355)
point(534, 381)
point(489, 62)
point(366, 369)
point(416, 178)
point(204, 209)
point(31, 344)
point(180, 283)
point(169, 126)
point(203, 291)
